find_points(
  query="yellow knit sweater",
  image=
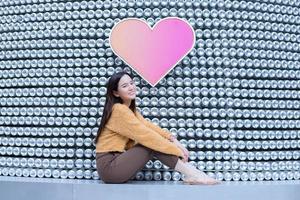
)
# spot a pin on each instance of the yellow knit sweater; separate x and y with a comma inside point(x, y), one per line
point(124, 129)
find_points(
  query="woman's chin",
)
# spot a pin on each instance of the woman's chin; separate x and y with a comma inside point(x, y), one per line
point(132, 96)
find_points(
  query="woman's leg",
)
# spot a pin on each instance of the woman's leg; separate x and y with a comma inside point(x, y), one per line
point(121, 167)
point(124, 166)
point(167, 159)
point(193, 175)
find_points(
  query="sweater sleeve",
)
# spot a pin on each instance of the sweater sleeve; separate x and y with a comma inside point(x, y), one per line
point(154, 127)
point(124, 122)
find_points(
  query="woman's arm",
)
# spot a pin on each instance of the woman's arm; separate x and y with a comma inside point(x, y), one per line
point(165, 134)
point(156, 128)
point(124, 122)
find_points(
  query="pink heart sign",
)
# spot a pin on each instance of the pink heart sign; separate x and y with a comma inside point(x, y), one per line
point(152, 52)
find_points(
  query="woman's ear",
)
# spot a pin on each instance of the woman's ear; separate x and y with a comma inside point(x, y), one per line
point(115, 93)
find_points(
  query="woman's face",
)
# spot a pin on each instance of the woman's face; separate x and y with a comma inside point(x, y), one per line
point(126, 89)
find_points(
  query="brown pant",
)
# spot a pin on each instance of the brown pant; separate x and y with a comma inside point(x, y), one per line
point(118, 167)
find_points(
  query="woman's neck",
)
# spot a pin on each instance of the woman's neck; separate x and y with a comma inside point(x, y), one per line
point(127, 103)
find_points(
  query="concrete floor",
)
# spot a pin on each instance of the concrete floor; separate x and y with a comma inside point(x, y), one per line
point(21, 188)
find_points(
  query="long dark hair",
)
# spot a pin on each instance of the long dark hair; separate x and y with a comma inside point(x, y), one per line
point(111, 99)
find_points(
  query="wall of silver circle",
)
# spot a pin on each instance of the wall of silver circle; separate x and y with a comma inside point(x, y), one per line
point(233, 101)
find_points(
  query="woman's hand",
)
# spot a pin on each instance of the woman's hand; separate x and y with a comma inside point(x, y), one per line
point(184, 150)
point(186, 157)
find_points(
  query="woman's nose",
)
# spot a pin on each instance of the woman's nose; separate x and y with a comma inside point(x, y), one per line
point(131, 88)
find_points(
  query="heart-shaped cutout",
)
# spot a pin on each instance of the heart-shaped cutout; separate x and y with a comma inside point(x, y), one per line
point(152, 52)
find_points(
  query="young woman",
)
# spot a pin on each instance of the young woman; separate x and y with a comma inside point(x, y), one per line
point(126, 141)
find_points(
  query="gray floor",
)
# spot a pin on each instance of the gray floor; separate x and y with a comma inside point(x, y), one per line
point(18, 188)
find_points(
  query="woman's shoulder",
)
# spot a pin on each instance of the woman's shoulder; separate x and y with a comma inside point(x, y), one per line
point(117, 106)
point(120, 108)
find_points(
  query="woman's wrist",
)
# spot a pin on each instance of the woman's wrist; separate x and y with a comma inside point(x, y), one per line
point(177, 143)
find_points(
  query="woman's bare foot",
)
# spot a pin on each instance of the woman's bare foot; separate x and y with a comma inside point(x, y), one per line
point(198, 180)
point(194, 176)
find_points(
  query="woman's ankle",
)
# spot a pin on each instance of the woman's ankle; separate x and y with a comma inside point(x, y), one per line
point(190, 171)
point(187, 169)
